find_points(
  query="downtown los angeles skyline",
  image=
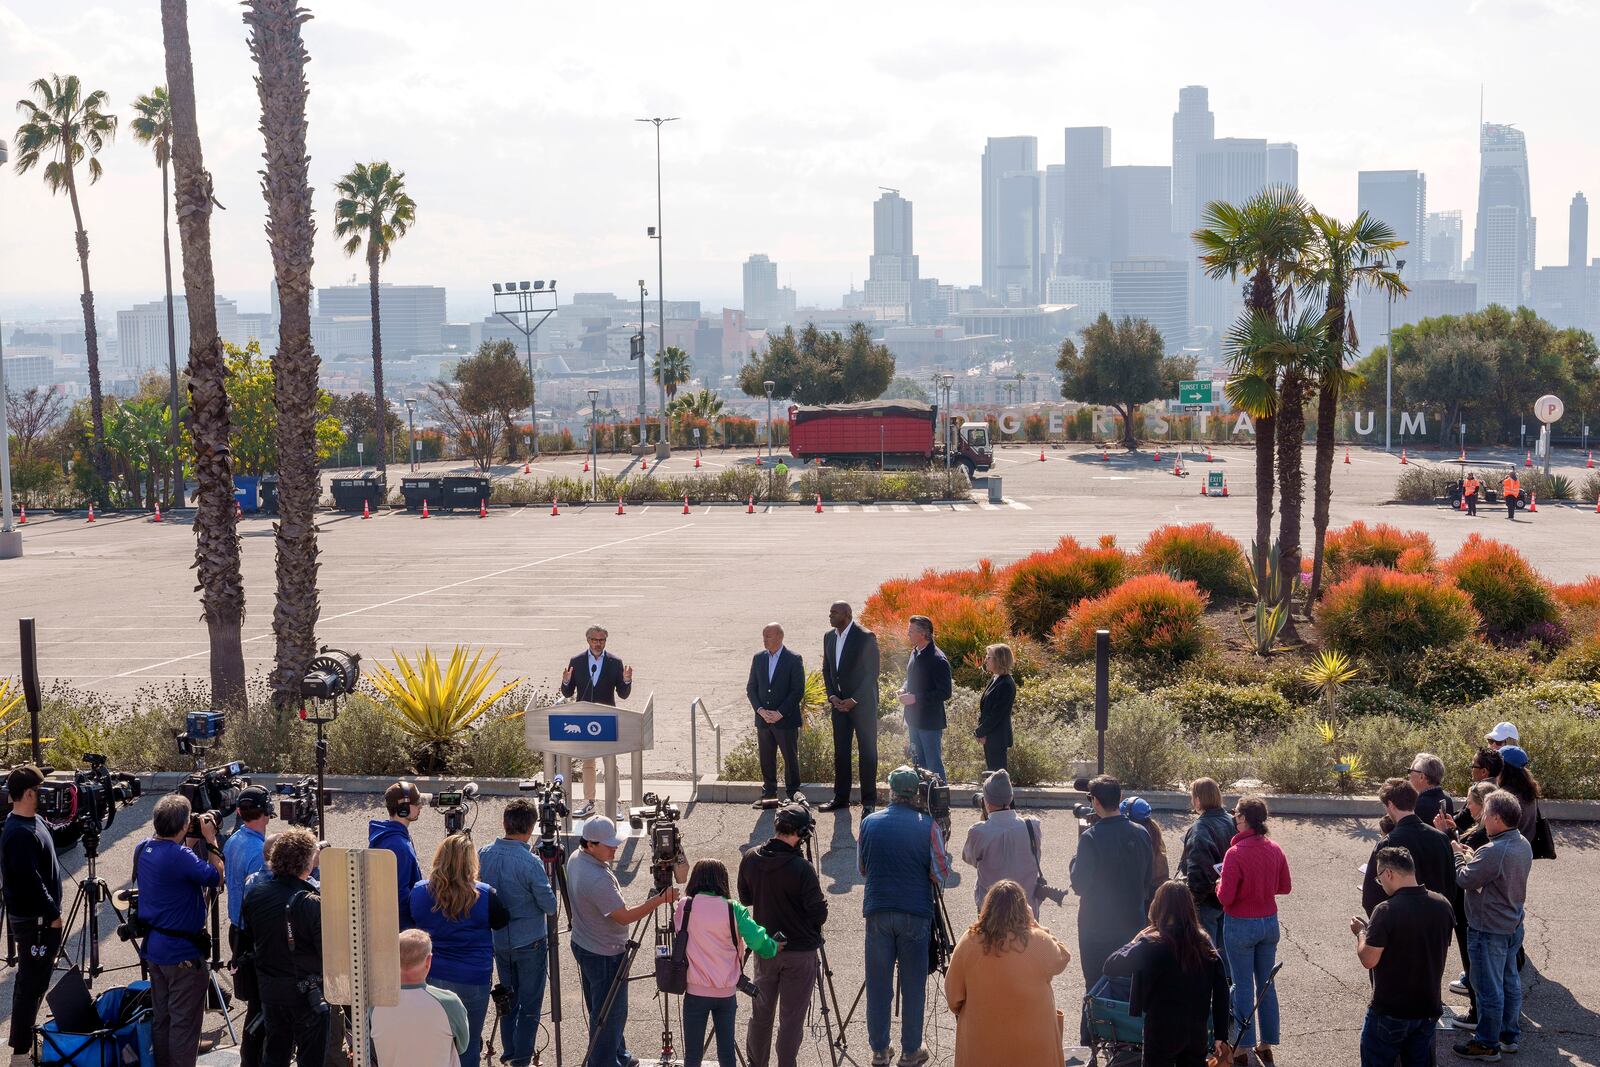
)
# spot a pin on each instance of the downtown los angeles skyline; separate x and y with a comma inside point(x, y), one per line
point(517, 138)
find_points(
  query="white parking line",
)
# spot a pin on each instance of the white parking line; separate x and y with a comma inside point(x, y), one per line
point(898, 507)
point(1019, 505)
point(930, 507)
point(841, 507)
point(959, 507)
point(869, 507)
point(986, 506)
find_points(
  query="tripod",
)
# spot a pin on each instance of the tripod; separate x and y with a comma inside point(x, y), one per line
point(663, 943)
point(826, 992)
point(321, 723)
point(92, 892)
point(216, 996)
point(939, 932)
point(554, 857)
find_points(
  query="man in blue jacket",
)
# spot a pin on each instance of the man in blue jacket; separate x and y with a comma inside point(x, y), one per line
point(776, 688)
point(520, 949)
point(927, 687)
point(404, 802)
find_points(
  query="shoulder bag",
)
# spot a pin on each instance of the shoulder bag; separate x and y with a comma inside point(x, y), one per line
point(672, 971)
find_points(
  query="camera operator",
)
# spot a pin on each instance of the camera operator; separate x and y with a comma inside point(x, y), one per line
point(32, 881)
point(782, 890)
point(520, 949)
point(1111, 875)
point(172, 881)
point(283, 932)
point(243, 858)
point(600, 926)
point(1004, 845)
point(404, 802)
point(902, 856)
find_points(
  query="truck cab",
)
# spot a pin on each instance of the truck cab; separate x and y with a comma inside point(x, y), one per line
point(972, 447)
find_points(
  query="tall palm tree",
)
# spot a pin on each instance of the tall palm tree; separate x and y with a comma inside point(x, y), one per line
point(280, 54)
point(152, 125)
point(63, 127)
point(1345, 258)
point(1262, 238)
point(373, 208)
point(671, 369)
point(216, 548)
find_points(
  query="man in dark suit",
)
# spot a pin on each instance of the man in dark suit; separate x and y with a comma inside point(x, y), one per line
point(776, 688)
point(850, 675)
point(927, 687)
point(1436, 867)
point(599, 677)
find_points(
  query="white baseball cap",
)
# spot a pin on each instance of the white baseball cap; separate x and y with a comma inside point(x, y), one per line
point(1503, 731)
point(601, 831)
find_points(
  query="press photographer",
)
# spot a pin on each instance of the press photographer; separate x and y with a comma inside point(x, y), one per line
point(243, 858)
point(1111, 875)
point(282, 937)
point(1006, 845)
point(172, 881)
point(405, 803)
point(32, 882)
point(782, 891)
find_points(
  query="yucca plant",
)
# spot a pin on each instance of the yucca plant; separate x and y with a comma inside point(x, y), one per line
point(434, 705)
point(1271, 615)
point(1348, 768)
point(1330, 672)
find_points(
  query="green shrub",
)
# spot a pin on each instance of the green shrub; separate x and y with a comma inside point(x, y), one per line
point(1199, 553)
point(1380, 701)
point(842, 483)
point(496, 749)
point(1040, 589)
point(1453, 675)
point(1560, 727)
point(1421, 484)
point(1578, 662)
point(1042, 754)
point(1150, 617)
point(1065, 696)
point(364, 739)
point(1509, 595)
point(1219, 756)
point(1297, 761)
point(1244, 711)
point(1388, 618)
point(1145, 746)
point(1383, 747)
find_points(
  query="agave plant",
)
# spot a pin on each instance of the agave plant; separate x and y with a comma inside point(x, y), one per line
point(1330, 672)
point(1265, 626)
point(434, 705)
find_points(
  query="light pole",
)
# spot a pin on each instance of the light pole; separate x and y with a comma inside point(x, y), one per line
point(527, 299)
point(10, 538)
point(594, 442)
point(944, 383)
point(662, 451)
point(1388, 365)
point(768, 386)
point(636, 351)
point(411, 430)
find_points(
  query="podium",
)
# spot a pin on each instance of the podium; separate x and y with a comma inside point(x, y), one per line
point(580, 729)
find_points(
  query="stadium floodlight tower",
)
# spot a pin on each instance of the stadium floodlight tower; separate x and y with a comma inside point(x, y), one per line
point(527, 299)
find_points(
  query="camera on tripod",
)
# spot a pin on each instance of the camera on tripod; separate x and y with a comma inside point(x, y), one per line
point(933, 798)
point(1084, 813)
point(213, 791)
point(333, 673)
point(201, 730)
point(297, 802)
point(659, 817)
point(131, 928)
point(452, 804)
point(552, 804)
point(86, 799)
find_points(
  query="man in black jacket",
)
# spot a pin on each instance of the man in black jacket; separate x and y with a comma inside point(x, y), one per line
point(927, 687)
point(850, 674)
point(776, 687)
point(598, 677)
point(1430, 849)
point(782, 891)
point(282, 920)
point(1425, 776)
point(32, 881)
point(1111, 875)
point(1204, 845)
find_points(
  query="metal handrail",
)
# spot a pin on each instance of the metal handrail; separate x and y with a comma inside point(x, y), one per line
point(694, 742)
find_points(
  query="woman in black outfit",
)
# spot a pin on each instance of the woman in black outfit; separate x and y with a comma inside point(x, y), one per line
point(1178, 983)
point(994, 707)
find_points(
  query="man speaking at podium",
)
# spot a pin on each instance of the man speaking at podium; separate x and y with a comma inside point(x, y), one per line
point(598, 677)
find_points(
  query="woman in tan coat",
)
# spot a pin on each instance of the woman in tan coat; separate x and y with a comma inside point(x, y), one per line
point(998, 985)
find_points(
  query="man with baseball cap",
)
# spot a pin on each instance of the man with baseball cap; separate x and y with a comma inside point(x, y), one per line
point(600, 921)
point(404, 802)
point(1504, 733)
point(242, 857)
point(1005, 844)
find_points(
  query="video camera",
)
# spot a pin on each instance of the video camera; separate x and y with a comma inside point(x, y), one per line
point(86, 798)
point(297, 802)
point(933, 798)
point(1084, 813)
point(800, 823)
point(213, 791)
point(552, 804)
point(201, 730)
point(452, 804)
point(661, 817)
point(333, 673)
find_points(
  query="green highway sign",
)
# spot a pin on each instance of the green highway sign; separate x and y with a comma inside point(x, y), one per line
point(1194, 392)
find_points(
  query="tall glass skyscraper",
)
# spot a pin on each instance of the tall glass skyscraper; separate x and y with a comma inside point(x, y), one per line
point(1502, 248)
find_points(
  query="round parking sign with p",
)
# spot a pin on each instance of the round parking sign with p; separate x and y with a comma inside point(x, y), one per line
point(1548, 409)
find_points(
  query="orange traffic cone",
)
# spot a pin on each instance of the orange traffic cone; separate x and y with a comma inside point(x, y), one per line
point(1403, 460)
point(1347, 455)
point(483, 511)
point(1591, 459)
point(157, 516)
point(1459, 504)
point(644, 464)
point(238, 510)
point(1208, 454)
point(1158, 457)
point(686, 505)
point(527, 466)
point(1041, 455)
point(750, 505)
point(620, 509)
point(1177, 467)
point(425, 509)
point(1105, 455)
point(366, 512)
point(819, 503)
point(1528, 462)
point(697, 459)
point(555, 505)
point(91, 513)
point(24, 520)
point(586, 465)
point(1203, 489)
point(1533, 503)
point(1462, 458)
point(1224, 487)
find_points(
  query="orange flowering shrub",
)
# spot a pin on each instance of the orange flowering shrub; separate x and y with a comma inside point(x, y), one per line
point(1382, 545)
point(1514, 602)
point(1038, 590)
point(1151, 616)
point(1199, 553)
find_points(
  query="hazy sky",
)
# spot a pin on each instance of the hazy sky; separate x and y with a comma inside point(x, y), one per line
point(513, 123)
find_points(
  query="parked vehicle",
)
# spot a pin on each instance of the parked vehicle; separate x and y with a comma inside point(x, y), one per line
point(885, 434)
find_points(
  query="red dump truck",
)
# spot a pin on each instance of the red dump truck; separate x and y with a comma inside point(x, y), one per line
point(884, 433)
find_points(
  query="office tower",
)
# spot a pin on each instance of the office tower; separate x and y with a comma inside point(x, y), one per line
point(412, 317)
point(1155, 289)
point(1010, 227)
point(1400, 199)
point(760, 287)
point(1230, 170)
point(1443, 259)
point(1578, 232)
point(1283, 164)
point(142, 333)
point(1085, 231)
point(892, 270)
point(1193, 128)
point(1055, 214)
point(1502, 246)
point(1138, 212)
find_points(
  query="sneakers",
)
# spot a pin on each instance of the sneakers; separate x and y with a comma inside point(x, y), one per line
point(919, 1058)
point(1459, 985)
point(1467, 1021)
point(1508, 1047)
point(882, 1058)
point(1477, 1050)
point(584, 812)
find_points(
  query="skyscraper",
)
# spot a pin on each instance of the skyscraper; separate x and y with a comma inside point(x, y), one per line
point(1283, 164)
point(1231, 170)
point(1010, 226)
point(1085, 232)
point(1193, 128)
point(1502, 244)
point(1578, 232)
point(892, 270)
point(1443, 259)
point(1399, 198)
point(1138, 212)
point(1157, 290)
point(760, 287)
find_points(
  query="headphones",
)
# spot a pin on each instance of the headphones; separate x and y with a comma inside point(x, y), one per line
point(403, 809)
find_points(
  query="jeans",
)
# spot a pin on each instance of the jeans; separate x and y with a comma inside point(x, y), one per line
point(896, 938)
point(523, 972)
point(1497, 984)
point(178, 996)
point(476, 999)
point(927, 750)
point(1385, 1038)
point(596, 972)
point(1252, 948)
point(1211, 923)
point(721, 1011)
point(786, 982)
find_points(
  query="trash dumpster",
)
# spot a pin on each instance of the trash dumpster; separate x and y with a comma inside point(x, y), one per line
point(466, 490)
point(368, 488)
point(269, 494)
point(414, 491)
point(246, 491)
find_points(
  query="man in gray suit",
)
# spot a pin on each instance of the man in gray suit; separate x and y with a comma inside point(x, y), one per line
point(850, 676)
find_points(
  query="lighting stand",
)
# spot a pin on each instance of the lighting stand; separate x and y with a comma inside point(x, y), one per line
point(321, 723)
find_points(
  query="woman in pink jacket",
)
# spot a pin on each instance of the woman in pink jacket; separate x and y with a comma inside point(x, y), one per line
point(713, 954)
point(1254, 874)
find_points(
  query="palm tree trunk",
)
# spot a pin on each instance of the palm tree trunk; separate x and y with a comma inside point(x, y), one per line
point(176, 489)
point(279, 51)
point(1291, 477)
point(1266, 440)
point(216, 553)
point(380, 406)
point(91, 340)
point(1322, 487)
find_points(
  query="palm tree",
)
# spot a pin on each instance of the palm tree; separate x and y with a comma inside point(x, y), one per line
point(216, 549)
point(373, 208)
point(701, 404)
point(671, 369)
point(1345, 258)
point(280, 54)
point(64, 126)
point(1262, 238)
point(152, 125)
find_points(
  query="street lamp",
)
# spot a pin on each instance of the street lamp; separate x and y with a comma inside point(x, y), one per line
point(636, 351)
point(10, 538)
point(662, 451)
point(1388, 363)
point(411, 429)
point(768, 386)
point(594, 441)
point(527, 299)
